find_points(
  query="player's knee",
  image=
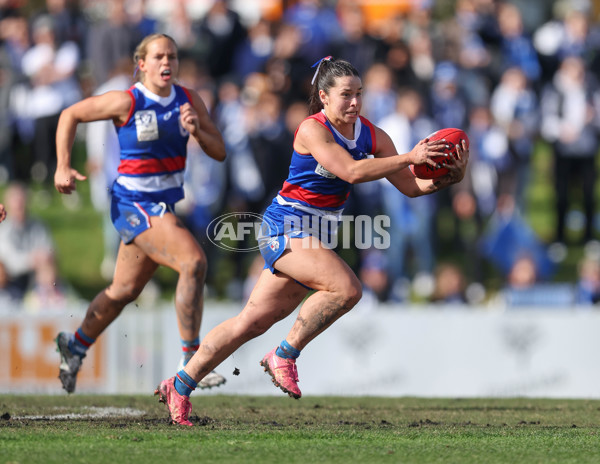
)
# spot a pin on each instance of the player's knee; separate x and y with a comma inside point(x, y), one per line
point(248, 327)
point(354, 295)
point(248, 332)
point(195, 267)
point(258, 327)
point(125, 292)
point(350, 294)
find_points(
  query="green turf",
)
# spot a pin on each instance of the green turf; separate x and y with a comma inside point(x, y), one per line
point(241, 429)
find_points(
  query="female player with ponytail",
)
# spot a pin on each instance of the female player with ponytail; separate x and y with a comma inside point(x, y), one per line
point(333, 148)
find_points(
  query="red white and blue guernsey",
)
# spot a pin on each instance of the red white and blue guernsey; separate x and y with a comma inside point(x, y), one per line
point(311, 192)
point(153, 157)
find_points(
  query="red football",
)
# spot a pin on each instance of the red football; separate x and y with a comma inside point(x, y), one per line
point(452, 137)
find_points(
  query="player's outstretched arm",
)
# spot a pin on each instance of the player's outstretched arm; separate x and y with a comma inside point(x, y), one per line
point(113, 105)
point(313, 138)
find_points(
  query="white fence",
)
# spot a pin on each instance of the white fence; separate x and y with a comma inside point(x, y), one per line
point(383, 351)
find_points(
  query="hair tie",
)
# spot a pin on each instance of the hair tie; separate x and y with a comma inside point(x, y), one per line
point(318, 65)
point(137, 68)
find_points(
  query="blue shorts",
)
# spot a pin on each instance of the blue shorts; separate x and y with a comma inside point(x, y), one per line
point(280, 224)
point(131, 218)
point(275, 234)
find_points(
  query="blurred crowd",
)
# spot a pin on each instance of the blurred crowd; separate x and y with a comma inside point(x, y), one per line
point(512, 74)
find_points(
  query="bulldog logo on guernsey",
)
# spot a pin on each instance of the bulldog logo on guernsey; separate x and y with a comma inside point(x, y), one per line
point(240, 232)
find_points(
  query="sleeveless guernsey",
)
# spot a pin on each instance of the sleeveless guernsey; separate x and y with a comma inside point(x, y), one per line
point(153, 147)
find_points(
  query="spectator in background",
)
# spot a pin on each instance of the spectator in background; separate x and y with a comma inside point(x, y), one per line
point(411, 252)
point(221, 33)
point(246, 189)
point(110, 40)
point(516, 46)
point(450, 285)
point(255, 50)
point(508, 237)
point(26, 245)
point(140, 19)
point(448, 104)
point(588, 280)
point(576, 39)
point(286, 69)
point(205, 181)
point(399, 62)
point(354, 43)
point(48, 292)
point(515, 108)
point(422, 60)
point(69, 22)
point(523, 273)
point(379, 88)
point(463, 45)
point(8, 8)
point(318, 25)
point(205, 192)
point(491, 176)
point(525, 288)
point(520, 284)
point(569, 124)
point(14, 39)
point(10, 296)
point(7, 80)
point(474, 200)
point(2, 212)
point(103, 156)
point(51, 69)
point(16, 126)
point(271, 130)
point(570, 33)
point(374, 276)
point(179, 25)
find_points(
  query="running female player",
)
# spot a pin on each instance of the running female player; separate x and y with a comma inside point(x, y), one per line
point(331, 149)
point(154, 120)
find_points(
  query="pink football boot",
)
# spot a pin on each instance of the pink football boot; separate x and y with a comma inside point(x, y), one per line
point(179, 406)
point(283, 372)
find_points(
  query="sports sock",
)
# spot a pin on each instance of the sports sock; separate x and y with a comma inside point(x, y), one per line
point(285, 350)
point(184, 384)
point(188, 349)
point(80, 343)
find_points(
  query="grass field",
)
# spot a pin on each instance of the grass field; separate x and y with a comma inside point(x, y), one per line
point(242, 429)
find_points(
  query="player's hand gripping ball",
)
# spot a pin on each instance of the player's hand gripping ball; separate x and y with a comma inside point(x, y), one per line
point(453, 137)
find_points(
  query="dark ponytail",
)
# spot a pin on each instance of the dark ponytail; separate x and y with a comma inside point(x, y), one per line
point(328, 71)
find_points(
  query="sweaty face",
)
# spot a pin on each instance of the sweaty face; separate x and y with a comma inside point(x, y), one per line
point(160, 65)
point(344, 100)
